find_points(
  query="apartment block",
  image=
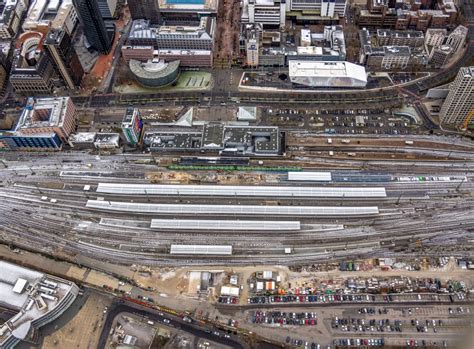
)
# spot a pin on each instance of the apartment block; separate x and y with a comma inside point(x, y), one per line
point(411, 38)
point(11, 12)
point(458, 108)
point(269, 13)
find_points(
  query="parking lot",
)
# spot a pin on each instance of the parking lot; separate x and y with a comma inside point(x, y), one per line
point(422, 326)
point(356, 298)
point(342, 121)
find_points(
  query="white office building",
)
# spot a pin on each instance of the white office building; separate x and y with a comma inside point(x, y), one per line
point(252, 50)
point(269, 13)
point(325, 8)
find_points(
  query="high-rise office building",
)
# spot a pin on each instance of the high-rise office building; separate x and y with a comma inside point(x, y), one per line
point(60, 51)
point(458, 108)
point(132, 125)
point(97, 32)
point(107, 8)
point(145, 9)
point(252, 49)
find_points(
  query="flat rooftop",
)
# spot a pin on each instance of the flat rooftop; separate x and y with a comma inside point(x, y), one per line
point(83, 137)
point(107, 138)
point(212, 136)
point(185, 29)
point(169, 52)
point(205, 6)
point(400, 33)
point(43, 112)
point(9, 276)
point(129, 114)
point(467, 71)
point(252, 139)
point(174, 140)
point(309, 50)
point(143, 29)
point(38, 298)
point(397, 50)
point(218, 137)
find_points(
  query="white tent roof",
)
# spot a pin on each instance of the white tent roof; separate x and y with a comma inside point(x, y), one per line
point(326, 69)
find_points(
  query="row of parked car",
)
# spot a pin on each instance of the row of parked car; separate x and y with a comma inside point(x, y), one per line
point(283, 318)
point(311, 298)
point(347, 342)
point(422, 326)
point(371, 311)
point(304, 344)
point(366, 325)
point(410, 343)
point(228, 300)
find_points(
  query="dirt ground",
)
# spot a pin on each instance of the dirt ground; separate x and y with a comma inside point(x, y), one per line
point(83, 330)
point(211, 177)
point(215, 114)
point(169, 282)
point(178, 281)
point(163, 114)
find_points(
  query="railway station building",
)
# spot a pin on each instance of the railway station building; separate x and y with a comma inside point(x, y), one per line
point(218, 138)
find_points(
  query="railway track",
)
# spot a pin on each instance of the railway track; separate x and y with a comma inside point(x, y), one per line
point(437, 214)
point(83, 233)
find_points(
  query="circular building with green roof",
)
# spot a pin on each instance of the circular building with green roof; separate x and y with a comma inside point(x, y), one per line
point(154, 73)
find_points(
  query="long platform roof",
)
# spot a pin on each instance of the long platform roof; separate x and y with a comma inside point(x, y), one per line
point(201, 249)
point(229, 225)
point(230, 190)
point(310, 176)
point(164, 209)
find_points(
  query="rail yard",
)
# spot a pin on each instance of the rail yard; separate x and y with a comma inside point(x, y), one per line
point(110, 211)
point(326, 200)
point(308, 185)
